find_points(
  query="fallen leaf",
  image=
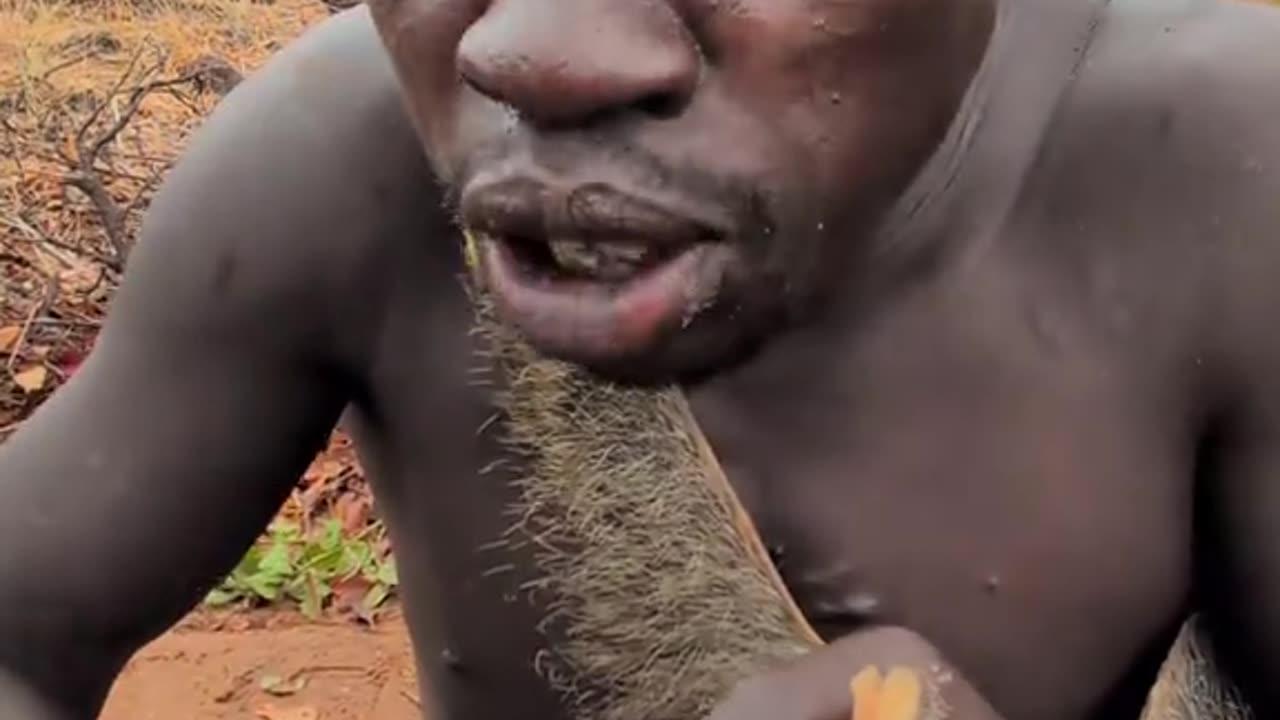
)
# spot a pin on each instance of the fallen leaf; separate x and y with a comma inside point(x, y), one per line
point(323, 469)
point(31, 379)
point(302, 712)
point(281, 687)
point(349, 598)
point(70, 361)
point(8, 337)
point(353, 511)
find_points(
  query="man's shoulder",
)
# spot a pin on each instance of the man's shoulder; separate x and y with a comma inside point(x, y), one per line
point(341, 49)
point(1223, 59)
point(1206, 68)
point(1175, 105)
point(1164, 157)
point(307, 180)
point(1201, 102)
point(320, 123)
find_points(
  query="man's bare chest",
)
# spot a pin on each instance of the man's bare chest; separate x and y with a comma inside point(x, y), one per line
point(1024, 505)
point(1015, 523)
point(1050, 560)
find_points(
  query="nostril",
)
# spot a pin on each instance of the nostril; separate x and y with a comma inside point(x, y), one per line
point(471, 76)
point(661, 104)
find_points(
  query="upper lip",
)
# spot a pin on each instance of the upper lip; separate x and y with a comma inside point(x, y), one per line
point(541, 210)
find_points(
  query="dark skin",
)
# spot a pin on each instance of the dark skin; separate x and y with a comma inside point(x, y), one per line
point(992, 364)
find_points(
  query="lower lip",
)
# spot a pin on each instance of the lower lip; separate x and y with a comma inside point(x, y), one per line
point(587, 320)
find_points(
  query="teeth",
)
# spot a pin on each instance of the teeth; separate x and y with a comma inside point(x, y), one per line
point(607, 260)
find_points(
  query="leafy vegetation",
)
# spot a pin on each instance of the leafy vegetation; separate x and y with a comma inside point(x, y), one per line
point(324, 568)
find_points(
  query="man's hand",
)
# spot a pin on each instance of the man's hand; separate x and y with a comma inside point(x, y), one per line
point(877, 674)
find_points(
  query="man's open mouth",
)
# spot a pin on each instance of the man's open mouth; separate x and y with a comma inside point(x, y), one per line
point(602, 300)
point(604, 280)
point(603, 261)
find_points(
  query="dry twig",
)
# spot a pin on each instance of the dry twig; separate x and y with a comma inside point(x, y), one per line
point(84, 174)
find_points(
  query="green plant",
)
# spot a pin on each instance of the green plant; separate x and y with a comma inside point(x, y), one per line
point(323, 568)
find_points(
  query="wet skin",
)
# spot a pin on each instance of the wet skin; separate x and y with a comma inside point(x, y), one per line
point(992, 363)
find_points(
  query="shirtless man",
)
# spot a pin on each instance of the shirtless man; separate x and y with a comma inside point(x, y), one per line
point(975, 300)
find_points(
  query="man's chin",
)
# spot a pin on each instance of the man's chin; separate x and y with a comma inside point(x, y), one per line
point(688, 357)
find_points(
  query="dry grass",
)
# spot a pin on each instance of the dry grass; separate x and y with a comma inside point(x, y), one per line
point(70, 73)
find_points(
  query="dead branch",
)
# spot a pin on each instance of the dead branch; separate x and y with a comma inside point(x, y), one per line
point(37, 237)
point(73, 323)
point(67, 63)
point(11, 140)
point(16, 259)
point(50, 295)
point(85, 174)
point(21, 225)
point(81, 138)
point(113, 218)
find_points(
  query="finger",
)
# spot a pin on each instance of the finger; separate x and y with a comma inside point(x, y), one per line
point(865, 688)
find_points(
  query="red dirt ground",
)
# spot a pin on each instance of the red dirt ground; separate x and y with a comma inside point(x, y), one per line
point(214, 667)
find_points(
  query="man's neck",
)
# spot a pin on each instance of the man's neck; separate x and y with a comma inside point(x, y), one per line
point(964, 192)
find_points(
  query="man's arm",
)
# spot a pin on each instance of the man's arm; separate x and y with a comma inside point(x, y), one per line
point(231, 349)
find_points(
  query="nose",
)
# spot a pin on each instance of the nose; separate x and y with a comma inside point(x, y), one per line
point(570, 62)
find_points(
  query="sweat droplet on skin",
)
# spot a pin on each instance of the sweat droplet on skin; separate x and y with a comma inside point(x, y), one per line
point(992, 584)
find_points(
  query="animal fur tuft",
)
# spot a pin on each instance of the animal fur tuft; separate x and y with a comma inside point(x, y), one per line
point(659, 595)
point(1191, 685)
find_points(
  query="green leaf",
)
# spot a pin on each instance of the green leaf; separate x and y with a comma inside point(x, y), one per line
point(332, 539)
point(324, 561)
point(314, 593)
point(276, 562)
point(355, 556)
point(285, 531)
point(219, 597)
point(264, 586)
point(377, 595)
point(387, 573)
point(249, 563)
point(286, 565)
